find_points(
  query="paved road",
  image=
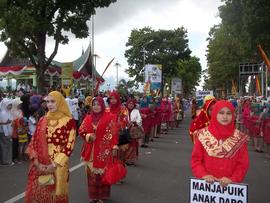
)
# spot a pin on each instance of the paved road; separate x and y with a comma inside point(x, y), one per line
point(162, 175)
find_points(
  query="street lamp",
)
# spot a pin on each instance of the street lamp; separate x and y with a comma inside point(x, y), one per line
point(117, 65)
point(144, 51)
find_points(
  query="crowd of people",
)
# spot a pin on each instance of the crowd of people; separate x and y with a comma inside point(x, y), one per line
point(42, 130)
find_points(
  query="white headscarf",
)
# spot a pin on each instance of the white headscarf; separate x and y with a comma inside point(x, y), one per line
point(6, 115)
point(69, 103)
point(16, 113)
point(4, 103)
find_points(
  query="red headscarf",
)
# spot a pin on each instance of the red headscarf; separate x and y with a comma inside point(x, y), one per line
point(96, 116)
point(218, 130)
point(202, 120)
point(115, 108)
point(133, 101)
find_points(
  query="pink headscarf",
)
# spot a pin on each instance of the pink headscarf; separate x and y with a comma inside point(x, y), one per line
point(96, 116)
point(115, 108)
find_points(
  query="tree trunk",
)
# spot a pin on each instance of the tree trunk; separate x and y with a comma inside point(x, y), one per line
point(41, 63)
point(41, 79)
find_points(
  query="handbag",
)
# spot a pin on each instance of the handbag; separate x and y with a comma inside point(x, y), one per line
point(44, 180)
point(124, 136)
point(136, 132)
point(114, 172)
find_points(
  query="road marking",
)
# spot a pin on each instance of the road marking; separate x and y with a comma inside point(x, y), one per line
point(20, 196)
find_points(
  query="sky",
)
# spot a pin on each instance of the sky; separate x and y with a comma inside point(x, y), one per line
point(113, 26)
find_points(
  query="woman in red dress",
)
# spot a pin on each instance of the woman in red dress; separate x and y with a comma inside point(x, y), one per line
point(135, 122)
point(220, 152)
point(266, 129)
point(49, 152)
point(99, 133)
point(202, 120)
point(121, 114)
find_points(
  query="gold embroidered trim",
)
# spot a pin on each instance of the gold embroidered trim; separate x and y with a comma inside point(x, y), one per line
point(225, 149)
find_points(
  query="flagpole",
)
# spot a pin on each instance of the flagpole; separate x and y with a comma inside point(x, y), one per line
point(92, 56)
point(262, 82)
point(266, 82)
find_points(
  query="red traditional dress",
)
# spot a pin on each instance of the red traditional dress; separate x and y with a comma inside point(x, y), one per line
point(121, 114)
point(98, 153)
point(202, 120)
point(53, 141)
point(135, 121)
point(146, 124)
point(266, 130)
point(246, 113)
point(266, 124)
point(221, 150)
point(166, 111)
point(158, 117)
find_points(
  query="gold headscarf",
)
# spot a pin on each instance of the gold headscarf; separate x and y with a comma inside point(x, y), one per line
point(88, 101)
point(62, 107)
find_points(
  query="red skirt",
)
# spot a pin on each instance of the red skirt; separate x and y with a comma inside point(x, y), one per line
point(254, 126)
point(41, 194)
point(132, 152)
point(97, 190)
point(266, 131)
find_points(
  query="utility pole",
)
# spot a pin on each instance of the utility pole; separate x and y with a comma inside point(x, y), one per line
point(117, 65)
point(92, 53)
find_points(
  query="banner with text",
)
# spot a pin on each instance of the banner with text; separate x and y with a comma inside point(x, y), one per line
point(67, 74)
point(201, 191)
point(153, 74)
point(201, 94)
point(176, 87)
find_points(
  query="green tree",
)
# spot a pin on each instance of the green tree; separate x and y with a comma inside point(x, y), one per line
point(126, 87)
point(190, 72)
point(26, 26)
point(244, 24)
point(223, 56)
point(256, 22)
point(163, 47)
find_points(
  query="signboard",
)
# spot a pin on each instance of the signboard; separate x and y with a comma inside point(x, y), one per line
point(200, 191)
point(153, 73)
point(176, 87)
point(67, 73)
point(201, 94)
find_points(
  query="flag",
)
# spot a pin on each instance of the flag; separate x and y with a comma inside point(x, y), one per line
point(258, 85)
point(98, 83)
point(234, 88)
point(264, 56)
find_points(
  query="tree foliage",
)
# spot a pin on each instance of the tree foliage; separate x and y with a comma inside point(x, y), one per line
point(26, 25)
point(244, 25)
point(190, 72)
point(125, 87)
point(163, 47)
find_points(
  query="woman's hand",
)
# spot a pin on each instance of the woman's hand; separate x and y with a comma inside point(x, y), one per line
point(90, 137)
point(114, 152)
point(224, 181)
point(40, 167)
point(209, 178)
point(50, 168)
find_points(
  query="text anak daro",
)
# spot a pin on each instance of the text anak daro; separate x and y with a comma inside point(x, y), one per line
point(216, 189)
